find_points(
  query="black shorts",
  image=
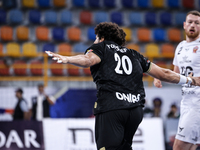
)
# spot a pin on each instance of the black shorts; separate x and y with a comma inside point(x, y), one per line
point(114, 130)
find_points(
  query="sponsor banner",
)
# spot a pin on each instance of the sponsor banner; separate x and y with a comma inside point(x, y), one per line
point(21, 135)
point(78, 134)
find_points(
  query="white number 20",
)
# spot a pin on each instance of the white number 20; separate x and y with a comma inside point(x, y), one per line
point(122, 61)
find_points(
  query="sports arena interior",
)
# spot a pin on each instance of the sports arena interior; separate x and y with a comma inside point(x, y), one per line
point(28, 28)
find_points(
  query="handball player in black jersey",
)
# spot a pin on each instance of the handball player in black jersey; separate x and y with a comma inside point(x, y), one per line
point(117, 72)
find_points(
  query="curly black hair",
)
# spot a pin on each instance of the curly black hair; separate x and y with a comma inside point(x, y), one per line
point(110, 32)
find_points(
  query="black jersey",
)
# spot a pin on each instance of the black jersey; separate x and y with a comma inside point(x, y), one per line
point(118, 77)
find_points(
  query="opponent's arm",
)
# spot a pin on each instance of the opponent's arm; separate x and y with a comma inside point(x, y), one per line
point(85, 61)
point(170, 76)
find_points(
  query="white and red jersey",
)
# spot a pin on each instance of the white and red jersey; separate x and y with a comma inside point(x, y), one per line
point(187, 58)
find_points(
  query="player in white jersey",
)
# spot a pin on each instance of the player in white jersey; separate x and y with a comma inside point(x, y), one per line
point(186, 61)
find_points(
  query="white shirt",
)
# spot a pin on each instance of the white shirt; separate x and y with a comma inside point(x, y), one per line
point(187, 58)
point(39, 109)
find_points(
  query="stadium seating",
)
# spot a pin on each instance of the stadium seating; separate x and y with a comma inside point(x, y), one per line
point(35, 16)
point(91, 34)
point(109, 4)
point(100, 16)
point(8, 4)
point(42, 33)
point(157, 3)
point(28, 3)
point(179, 18)
point(64, 49)
point(48, 47)
point(3, 16)
point(173, 3)
point(20, 68)
point(36, 68)
point(66, 17)
point(78, 3)
point(29, 50)
point(22, 33)
point(80, 48)
point(59, 3)
point(143, 3)
point(4, 69)
point(58, 34)
point(87, 71)
point(72, 70)
point(1, 49)
point(133, 46)
point(150, 18)
point(50, 17)
point(6, 33)
point(159, 34)
point(13, 49)
point(86, 17)
point(74, 34)
point(167, 49)
point(94, 4)
point(128, 33)
point(174, 35)
point(43, 3)
point(116, 17)
point(144, 34)
point(15, 16)
point(56, 68)
point(165, 18)
point(188, 4)
point(152, 50)
point(127, 3)
point(136, 18)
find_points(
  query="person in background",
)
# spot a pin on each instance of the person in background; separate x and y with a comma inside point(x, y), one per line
point(41, 104)
point(186, 62)
point(157, 104)
point(173, 113)
point(21, 111)
point(118, 72)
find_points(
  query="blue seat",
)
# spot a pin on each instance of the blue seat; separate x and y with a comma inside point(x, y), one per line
point(80, 47)
point(179, 18)
point(15, 16)
point(48, 47)
point(100, 16)
point(117, 18)
point(173, 3)
point(50, 17)
point(78, 3)
point(2, 16)
point(35, 16)
point(58, 34)
point(44, 3)
point(159, 35)
point(91, 34)
point(143, 3)
point(127, 3)
point(109, 3)
point(95, 4)
point(150, 18)
point(9, 4)
point(135, 18)
point(166, 18)
point(66, 17)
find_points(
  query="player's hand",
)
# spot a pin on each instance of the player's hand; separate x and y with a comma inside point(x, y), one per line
point(157, 83)
point(195, 80)
point(59, 58)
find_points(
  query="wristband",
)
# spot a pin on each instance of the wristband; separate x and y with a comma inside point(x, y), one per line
point(189, 80)
point(182, 80)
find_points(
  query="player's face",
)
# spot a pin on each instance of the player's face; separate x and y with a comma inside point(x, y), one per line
point(192, 26)
point(98, 40)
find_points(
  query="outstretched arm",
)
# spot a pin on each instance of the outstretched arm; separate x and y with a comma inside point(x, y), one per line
point(171, 77)
point(85, 61)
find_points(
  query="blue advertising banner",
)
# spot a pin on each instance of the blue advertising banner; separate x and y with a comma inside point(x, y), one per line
point(21, 135)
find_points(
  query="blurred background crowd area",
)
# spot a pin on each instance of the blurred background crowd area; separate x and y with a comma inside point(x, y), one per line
point(30, 27)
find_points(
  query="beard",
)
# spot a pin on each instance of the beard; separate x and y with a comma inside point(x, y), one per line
point(192, 35)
